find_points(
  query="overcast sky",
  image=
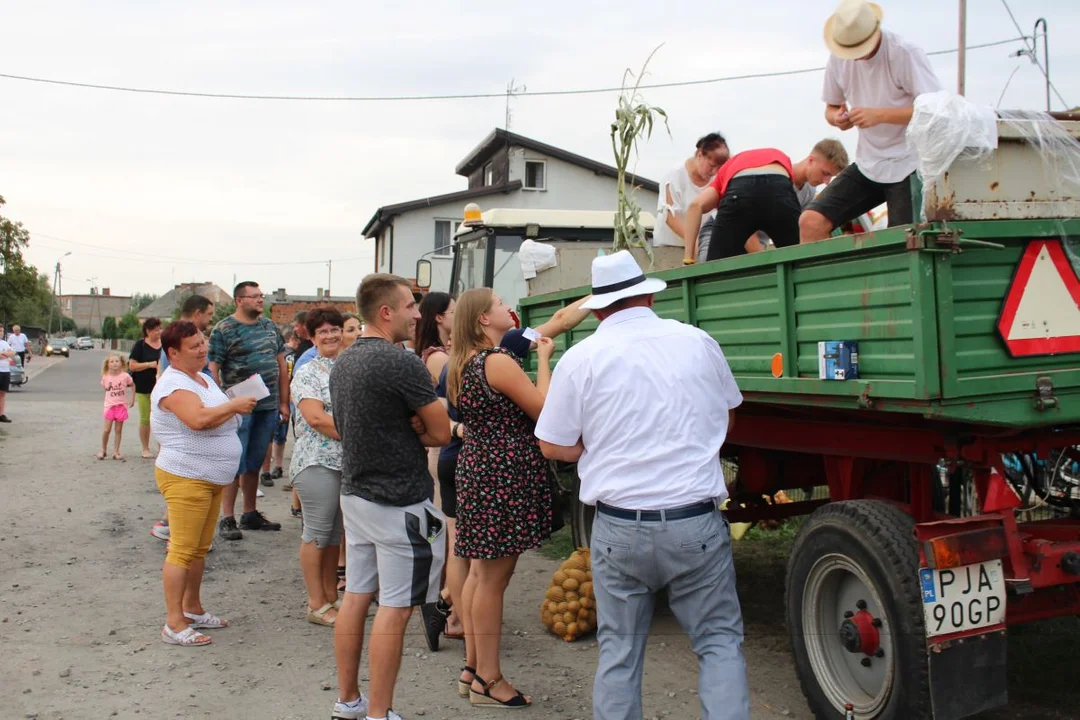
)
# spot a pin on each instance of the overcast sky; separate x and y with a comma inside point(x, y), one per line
point(148, 190)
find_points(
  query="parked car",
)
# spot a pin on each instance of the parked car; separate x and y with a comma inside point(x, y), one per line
point(18, 375)
point(84, 343)
point(58, 346)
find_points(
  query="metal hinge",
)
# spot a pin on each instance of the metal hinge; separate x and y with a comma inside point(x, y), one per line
point(1044, 393)
point(943, 239)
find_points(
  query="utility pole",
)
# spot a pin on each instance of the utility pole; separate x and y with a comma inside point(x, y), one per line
point(329, 267)
point(56, 298)
point(961, 61)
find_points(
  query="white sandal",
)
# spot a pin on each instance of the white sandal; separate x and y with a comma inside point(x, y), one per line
point(318, 617)
point(206, 621)
point(188, 637)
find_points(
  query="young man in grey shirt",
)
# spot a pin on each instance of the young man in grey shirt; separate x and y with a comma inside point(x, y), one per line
point(386, 414)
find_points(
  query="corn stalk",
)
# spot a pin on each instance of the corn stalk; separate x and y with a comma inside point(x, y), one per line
point(633, 118)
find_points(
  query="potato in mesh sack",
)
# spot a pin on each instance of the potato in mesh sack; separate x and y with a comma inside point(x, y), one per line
point(569, 607)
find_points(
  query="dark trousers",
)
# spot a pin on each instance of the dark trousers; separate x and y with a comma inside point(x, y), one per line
point(755, 202)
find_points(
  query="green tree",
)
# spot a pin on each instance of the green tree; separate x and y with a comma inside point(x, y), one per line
point(129, 327)
point(140, 301)
point(222, 311)
point(108, 328)
point(18, 281)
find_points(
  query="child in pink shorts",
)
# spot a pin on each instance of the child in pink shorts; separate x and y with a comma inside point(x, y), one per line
point(119, 396)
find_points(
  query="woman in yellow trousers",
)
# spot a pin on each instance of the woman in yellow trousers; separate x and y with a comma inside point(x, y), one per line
point(195, 424)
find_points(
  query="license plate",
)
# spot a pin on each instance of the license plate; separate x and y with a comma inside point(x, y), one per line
point(964, 598)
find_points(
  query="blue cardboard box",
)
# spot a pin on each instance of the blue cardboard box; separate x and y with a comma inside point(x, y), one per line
point(838, 360)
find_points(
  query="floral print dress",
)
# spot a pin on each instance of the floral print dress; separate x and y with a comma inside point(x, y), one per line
point(503, 491)
point(312, 381)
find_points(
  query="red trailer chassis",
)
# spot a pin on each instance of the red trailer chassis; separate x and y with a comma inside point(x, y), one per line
point(894, 459)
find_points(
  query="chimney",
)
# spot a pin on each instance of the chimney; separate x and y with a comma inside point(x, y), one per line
point(105, 291)
point(279, 295)
point(319, 293)
point(327, 292)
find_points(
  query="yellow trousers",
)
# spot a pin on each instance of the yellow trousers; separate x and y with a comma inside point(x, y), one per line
point(193, 513)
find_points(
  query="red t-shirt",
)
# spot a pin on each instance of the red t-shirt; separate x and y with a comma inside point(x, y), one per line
point(746, 160)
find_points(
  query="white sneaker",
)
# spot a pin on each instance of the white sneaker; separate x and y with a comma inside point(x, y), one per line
point(355, 710)
point(160, 530)
point(260, 493)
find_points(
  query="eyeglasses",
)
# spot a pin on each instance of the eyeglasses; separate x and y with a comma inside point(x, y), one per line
point(260, 296)
point(327, 332)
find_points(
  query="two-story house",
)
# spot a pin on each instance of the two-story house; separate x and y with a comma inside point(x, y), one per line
point(506, 170)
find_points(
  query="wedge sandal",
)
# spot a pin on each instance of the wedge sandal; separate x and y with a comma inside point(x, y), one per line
point(318, 617)
point(484, 698)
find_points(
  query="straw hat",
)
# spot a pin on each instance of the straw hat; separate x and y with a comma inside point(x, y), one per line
point(853, 30)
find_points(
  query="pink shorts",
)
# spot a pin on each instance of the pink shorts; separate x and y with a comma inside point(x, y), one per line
point(119, 413)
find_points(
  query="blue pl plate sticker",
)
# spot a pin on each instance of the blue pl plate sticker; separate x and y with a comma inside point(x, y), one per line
point(929, 594)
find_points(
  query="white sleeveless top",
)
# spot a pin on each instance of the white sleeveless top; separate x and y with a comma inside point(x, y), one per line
point(683, 191)
point(212, 455)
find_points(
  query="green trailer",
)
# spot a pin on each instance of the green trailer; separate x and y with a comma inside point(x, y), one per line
point(964, 361)
point(923, 305)
point(966, 406)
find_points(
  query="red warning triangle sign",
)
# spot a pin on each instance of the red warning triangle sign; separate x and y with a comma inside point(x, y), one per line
point(1041, 315)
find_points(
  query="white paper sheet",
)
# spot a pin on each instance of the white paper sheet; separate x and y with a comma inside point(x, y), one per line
point(252, 387)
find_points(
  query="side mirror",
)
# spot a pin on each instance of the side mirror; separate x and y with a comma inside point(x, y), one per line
point(423, 274)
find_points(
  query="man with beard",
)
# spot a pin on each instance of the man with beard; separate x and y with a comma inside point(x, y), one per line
point(242, 345)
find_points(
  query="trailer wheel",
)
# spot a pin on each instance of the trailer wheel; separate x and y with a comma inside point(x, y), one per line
point(854, 613)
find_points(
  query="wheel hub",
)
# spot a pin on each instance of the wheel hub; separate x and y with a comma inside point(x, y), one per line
point(859, 632)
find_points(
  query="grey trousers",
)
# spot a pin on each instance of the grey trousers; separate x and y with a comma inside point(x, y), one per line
point(631, 562)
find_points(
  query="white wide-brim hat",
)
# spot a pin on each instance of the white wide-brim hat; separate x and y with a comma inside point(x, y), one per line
point(854, 29)
point(618, 276)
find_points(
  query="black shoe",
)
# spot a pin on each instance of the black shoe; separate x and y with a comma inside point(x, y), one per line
point(297, 512)
point(5, 418)
point(277, 473)
point(257, 521)
point(434, 616)
point(227, 529)
point(266, 480)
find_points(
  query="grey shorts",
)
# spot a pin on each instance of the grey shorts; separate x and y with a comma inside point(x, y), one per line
point(319, 489)
point(399, 551)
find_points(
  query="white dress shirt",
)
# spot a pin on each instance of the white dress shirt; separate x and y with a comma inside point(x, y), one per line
point(649, 398)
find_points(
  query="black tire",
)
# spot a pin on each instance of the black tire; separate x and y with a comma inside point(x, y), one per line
point(877, 541)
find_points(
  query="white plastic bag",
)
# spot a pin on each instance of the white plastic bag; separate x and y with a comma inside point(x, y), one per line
point(535, 258)
point(945, 127)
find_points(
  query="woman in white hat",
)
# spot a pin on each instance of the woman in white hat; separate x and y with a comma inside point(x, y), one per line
point(871, 81)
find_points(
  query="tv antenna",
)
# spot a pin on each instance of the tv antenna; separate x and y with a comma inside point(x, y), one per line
point(511, 91)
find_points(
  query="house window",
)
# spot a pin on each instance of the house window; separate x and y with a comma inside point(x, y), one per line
point(489, 175)
point(535, 171)
point(444, 233)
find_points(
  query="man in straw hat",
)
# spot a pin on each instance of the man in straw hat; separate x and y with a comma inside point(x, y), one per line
point(871, 81)
point(643, 406)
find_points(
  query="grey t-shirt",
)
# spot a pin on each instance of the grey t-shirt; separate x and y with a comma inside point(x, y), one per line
point(375, 387)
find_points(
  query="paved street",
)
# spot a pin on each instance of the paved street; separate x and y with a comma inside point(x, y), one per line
point(81, 607)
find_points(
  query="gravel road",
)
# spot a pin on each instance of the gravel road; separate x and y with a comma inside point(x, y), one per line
point(81, 606)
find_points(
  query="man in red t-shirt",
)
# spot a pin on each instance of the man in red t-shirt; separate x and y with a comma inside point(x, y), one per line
point(755, 191)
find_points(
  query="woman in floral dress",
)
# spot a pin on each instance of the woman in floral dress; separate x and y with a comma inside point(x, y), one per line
point(316, 467)
point(503, 492)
